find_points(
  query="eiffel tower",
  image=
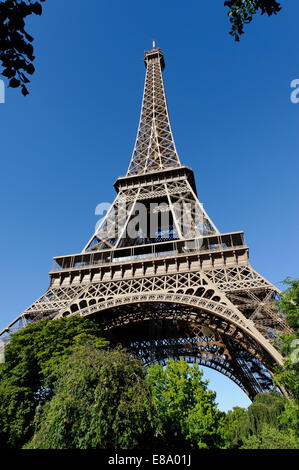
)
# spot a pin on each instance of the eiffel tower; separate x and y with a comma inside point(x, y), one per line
point(158, 276)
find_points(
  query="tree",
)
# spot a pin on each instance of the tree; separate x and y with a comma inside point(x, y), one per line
point(241, 12)
point(289, 419)
point(102, 400)
point(289, 302)
point(231, 425)
point(187, 409)
point(16, 50)
point(265, 410)
point(28, 376)
point(270, 438)
point(287, 375)
point(268, 423)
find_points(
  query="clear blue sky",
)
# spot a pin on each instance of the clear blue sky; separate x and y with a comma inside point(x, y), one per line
point(63, 146)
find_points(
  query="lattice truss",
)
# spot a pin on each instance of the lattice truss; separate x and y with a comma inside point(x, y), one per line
point(150, 213)
point(155, 338)
point(253, 295)
point(193, 289)
point(182, 216)
point(222, 316)
point(235, 303)
point(154, 148)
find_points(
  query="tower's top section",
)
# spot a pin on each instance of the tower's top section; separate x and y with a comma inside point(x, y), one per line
point(154, 147)
point(155, 53)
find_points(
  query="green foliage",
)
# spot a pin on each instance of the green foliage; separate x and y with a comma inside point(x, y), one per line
point(270, 422)
point(28, 375)
point(288, 374)
point(16, 50)
point(231, 424)
point(265, 409)
point(102, 400)
point(186, 407)
point(289, 303)
point(270, 438)
point(289, 419)
point(242, 11)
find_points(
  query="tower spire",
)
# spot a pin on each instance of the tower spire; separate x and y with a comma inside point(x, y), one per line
point(154, 148)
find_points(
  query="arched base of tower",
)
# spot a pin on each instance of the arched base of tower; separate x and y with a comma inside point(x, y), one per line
point(160, 332)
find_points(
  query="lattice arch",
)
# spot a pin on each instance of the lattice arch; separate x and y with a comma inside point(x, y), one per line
point(232, 322)
point(208, 331)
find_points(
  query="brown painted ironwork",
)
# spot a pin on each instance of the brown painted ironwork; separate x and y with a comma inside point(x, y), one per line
point(172, 293)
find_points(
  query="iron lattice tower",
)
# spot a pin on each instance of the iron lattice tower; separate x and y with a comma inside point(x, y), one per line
point(175, 290)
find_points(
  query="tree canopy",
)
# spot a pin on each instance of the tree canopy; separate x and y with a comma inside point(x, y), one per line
point(102, 401)
point(29, 373)
point(186, 407)
point(264, 425)
point(288, 374)
point(270, 438)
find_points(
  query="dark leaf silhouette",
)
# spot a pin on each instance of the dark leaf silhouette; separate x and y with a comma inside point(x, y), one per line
point(16, 50)
point(24, 90)
point(14, 82)
point(241, 12)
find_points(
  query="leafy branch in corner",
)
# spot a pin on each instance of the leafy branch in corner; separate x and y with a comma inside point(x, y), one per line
point(241, 12)
point(16, 50)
